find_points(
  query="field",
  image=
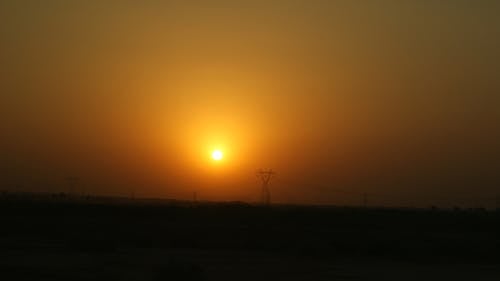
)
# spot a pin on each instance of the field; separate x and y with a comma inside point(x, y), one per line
point(50, 238)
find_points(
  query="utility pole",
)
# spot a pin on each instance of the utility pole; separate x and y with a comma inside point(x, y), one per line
point(265, 176)
point(72, 183)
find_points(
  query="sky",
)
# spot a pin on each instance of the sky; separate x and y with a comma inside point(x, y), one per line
point(396, 99)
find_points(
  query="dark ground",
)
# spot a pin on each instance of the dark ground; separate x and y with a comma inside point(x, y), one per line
point(63, 239)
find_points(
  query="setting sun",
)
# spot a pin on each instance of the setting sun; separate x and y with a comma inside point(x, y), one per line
point(217, 155)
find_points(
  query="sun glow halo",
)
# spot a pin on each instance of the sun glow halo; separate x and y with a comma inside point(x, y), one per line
point(217, 155)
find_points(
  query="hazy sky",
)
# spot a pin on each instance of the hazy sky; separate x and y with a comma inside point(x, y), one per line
point(399, 99)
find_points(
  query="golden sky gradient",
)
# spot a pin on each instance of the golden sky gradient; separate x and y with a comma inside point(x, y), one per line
point(399, 99)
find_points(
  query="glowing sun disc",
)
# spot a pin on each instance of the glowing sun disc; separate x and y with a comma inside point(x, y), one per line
point(217, 155)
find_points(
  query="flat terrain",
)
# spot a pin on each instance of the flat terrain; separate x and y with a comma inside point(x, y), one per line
point(63, 239)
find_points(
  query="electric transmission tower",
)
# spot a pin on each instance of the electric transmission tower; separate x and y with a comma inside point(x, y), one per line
point(73, 182)
point(265, 176)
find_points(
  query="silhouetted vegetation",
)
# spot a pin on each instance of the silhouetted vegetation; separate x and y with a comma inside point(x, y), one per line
point(176, 270)
point(107, 229)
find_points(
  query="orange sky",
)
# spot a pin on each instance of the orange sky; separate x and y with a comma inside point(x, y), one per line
point(395, 98)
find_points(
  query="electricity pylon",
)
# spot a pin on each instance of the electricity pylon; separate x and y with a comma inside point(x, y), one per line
point(265, 176)
point(72, 184)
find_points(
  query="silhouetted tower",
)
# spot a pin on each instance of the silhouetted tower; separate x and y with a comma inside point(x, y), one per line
point(265, 176)
point(72, 184)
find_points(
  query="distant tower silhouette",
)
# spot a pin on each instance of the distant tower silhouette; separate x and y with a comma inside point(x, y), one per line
point(72, 184)
point(265, 176)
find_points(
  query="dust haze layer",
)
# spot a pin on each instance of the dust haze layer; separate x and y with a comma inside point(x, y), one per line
point(397, 99)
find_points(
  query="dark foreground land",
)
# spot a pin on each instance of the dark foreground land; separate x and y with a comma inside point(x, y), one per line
point(110, 240)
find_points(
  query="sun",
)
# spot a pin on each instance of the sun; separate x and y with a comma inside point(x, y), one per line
point(217, 155)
